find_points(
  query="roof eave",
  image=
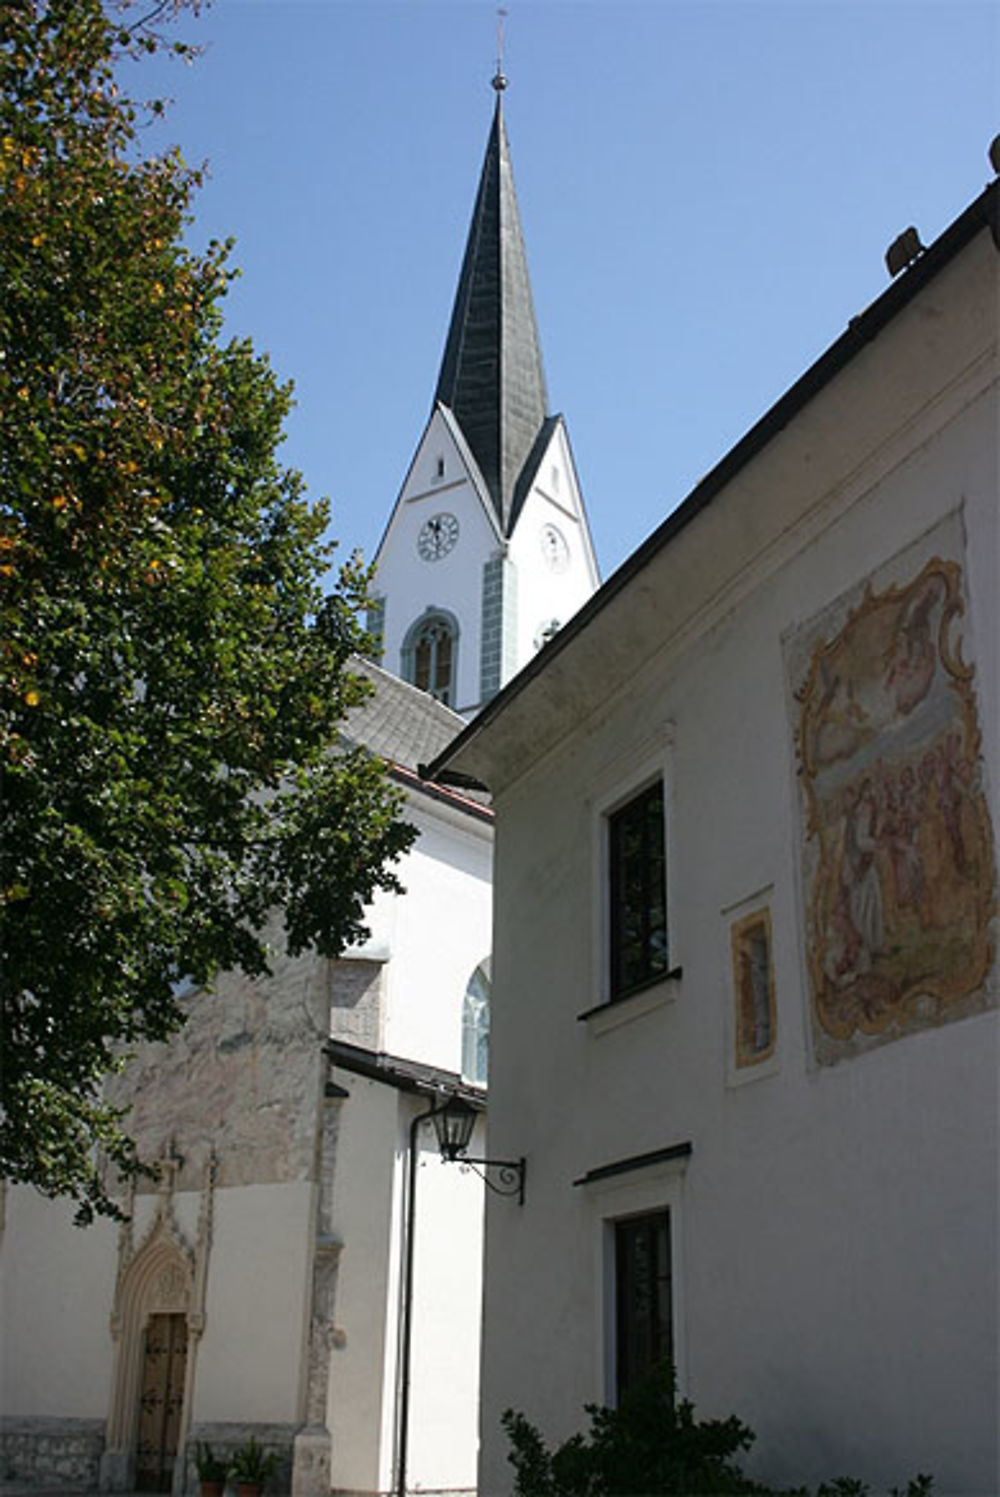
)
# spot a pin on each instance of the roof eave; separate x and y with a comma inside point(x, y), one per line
point(443, 793)
point(982, 212)
point(402, 1074)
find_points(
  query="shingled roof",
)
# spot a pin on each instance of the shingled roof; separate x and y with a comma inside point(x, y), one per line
point(398, 722)
point(491, 374)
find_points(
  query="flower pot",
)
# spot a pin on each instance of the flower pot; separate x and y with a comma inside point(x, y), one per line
point(249, 1488)
point(212, 1488)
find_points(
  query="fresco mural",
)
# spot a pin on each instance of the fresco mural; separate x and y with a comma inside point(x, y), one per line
point(897, 847)
point(755, 1027)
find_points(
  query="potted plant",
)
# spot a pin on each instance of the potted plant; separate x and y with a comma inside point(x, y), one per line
point(212, 1472)
point(250, 1467)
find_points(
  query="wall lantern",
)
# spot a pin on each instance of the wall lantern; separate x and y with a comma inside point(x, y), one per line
point(453, 1124)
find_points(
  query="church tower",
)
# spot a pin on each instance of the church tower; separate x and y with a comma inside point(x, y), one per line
point(487, 552)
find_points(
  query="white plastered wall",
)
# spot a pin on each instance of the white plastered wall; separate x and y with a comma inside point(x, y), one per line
point(839, 1287)
point(363, 1361)
point(447, 1288)
point(409, 584)
point(442, 931)
point(447, 1298)
point(549, 594)
point(56, 1290)
point(251, 1360)
point(431, 939)
point(58, 1295)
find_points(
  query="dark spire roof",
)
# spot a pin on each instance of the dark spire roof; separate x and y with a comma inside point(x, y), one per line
point(491, 374)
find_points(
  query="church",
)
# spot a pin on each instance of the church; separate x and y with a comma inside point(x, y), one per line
point(306, 1270)
point(731, 979)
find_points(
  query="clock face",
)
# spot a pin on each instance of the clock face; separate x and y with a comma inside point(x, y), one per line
point(554, 549)
point(437, 536)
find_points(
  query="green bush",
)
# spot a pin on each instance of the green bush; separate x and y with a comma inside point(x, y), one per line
point(252, 1464)
point(209, 1466)
point(652, 1444)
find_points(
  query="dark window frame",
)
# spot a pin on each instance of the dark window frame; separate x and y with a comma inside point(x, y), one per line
point(644, 1309)
point(430, 654)
point(638, 928)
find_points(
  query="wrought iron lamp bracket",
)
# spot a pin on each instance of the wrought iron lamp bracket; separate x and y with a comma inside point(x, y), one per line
point(508, 1174)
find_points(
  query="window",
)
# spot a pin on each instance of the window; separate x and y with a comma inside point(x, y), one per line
point(643, 1297)
point(476, 1026)
point(637, 867)
point(438, 469)
point(375, 627)
point(432, 660)
point(430, 655)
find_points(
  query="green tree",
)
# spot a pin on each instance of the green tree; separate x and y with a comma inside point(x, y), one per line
point(172, 677)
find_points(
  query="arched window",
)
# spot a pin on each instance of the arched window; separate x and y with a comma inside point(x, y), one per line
point(476, 1026)
point(430, 654)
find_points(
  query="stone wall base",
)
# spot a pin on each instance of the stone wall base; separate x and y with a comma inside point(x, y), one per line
point(65, 1455)
point(390, 1492)
point(224, 1439)
point(311, 1462)
point(56, 1453)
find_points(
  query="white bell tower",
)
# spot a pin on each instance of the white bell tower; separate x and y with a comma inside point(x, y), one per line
point(487, 552)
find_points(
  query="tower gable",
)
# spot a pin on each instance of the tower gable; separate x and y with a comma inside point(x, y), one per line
point(429, 565)
point(550, 545)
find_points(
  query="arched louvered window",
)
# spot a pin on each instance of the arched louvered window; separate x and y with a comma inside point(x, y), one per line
point(430, 654)
point(476, 1026)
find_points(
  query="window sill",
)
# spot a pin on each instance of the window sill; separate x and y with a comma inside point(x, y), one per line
point(621, 1011)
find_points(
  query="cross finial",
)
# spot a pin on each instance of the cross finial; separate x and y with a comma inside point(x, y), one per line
point(499, 78)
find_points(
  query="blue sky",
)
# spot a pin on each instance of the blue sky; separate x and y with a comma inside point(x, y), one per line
point(707, 189)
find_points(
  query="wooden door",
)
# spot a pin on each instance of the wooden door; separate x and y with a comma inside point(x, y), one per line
point(161, 1400)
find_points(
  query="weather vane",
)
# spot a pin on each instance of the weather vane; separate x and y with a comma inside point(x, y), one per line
point(499, 78)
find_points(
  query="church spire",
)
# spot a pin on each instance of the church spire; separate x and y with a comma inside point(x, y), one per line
point(487, 551)
point(491, 374)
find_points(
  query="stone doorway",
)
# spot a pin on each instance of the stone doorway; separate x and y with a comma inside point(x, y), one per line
point(161, 1401)
point(156, 1324)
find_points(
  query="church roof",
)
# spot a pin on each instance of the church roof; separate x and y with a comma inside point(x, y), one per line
point(547, 711)
point(406, 726)
point(397, 721)
point(491, 374)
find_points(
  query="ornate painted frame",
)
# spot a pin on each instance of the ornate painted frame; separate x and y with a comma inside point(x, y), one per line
point(747, 1050)
point(897, 847)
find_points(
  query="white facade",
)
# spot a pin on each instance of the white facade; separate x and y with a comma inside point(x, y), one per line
point(441, 930)
point(437, 933)
point(551, 552)
point(547, 565)
point(408, 583)
point(278, 1230)
point(832, 1183)
point(447, 1288)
